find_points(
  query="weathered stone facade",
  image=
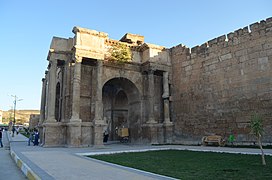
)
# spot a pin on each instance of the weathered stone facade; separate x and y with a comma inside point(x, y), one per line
point(217, 86)
point(84, 94)
point(162, 95)
point(34, 121)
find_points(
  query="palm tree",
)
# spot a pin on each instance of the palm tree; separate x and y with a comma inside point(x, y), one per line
point(256, 125)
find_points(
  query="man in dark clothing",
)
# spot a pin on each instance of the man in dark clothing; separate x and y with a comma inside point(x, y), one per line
point(1, 135)
point(36, 137)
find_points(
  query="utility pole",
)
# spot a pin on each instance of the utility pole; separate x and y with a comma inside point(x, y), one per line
point(14, 120)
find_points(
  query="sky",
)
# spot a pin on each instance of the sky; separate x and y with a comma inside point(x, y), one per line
point(27, 28)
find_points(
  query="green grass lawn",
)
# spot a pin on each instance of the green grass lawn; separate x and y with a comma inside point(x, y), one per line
point(195, 165)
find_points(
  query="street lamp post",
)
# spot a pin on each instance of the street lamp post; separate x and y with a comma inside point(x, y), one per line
point(14, 120)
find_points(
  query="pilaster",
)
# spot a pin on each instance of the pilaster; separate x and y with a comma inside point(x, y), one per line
point(151, 90)
point(99, 123)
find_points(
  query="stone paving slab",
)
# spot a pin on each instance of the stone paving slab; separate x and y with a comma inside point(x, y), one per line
point(62, 166)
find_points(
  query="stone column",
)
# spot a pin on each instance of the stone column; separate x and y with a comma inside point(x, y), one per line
point(46, 97)
point(150, 129)
point(76, 91)
point(42, 109)
point(51, 92)
point(165, 97)
point(99, 123)
point(63, 94)
point(51, 130)
point(74, 126)
point(151, 90)
point(167, 124)
point(43, 98)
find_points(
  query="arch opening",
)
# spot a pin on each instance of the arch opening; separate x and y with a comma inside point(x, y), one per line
point(122, 108)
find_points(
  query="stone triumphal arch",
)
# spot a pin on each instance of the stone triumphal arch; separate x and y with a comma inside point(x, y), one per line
point(85, 94)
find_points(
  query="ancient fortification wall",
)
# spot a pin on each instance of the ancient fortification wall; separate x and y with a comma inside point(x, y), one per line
point(217, 86)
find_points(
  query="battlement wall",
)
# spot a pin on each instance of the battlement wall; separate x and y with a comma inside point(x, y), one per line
point(242, 35)
point(218, 85)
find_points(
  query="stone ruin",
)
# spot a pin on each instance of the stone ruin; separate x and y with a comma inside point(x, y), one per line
point(163, 95)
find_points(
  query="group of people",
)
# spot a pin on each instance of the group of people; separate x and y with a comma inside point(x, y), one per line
point(33, 137)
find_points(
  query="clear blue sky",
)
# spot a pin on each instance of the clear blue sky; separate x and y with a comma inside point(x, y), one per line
point(27, 27)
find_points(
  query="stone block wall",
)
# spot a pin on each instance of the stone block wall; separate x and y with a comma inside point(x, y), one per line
point(158, 101)
point(86, 92)
point(217, 86)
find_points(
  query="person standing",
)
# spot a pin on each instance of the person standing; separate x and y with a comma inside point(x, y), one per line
point(36, 137)
point(13, 131)
point(30, 138)
point(1, 135)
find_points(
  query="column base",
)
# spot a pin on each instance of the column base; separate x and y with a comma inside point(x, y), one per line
point(75, 120)
point(151, 121)
point(99, 127)
point(168, 128)
point(52, 136)
point(151, 133)
point(74, 138)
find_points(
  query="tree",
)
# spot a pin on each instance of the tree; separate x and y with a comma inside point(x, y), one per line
point(119, 53)
point(256, 125)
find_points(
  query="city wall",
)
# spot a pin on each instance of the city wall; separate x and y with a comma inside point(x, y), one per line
point(218, 85)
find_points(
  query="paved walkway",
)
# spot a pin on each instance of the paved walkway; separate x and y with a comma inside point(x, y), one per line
point(69, 163)
point(8, 168)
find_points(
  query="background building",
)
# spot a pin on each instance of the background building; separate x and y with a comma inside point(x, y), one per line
point(22, 116)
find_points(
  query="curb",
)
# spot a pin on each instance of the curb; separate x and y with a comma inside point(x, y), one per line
point(169, 148)
point(23, 167)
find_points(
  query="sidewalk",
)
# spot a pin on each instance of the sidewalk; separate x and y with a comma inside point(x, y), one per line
point(69, 163)
point(8, 168)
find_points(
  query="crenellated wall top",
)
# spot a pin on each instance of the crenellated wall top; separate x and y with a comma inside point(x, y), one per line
point(241, 35)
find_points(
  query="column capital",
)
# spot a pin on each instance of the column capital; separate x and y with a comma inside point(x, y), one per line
point(77, 59)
